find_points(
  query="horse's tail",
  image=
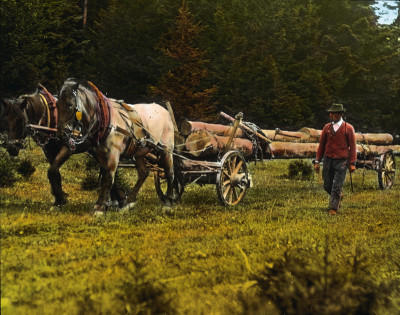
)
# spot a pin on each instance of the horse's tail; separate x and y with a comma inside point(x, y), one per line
point(178, 166)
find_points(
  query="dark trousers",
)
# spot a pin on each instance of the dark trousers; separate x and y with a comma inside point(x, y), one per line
point(334, 174)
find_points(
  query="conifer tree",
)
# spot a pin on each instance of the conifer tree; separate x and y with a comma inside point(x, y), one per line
point(182, 83)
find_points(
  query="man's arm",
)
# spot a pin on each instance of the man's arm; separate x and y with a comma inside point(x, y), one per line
point(321, 146)
point(320, 150)
point(352, 150)
point(352, 146)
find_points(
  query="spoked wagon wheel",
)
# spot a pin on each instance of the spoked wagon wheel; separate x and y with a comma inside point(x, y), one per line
point(387, 170)
point(161, 185)
point(232, 178)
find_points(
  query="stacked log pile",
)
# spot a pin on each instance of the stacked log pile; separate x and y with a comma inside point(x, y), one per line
point(205, 140)
point(292, 150)
point(310, 135)
point(304, 143)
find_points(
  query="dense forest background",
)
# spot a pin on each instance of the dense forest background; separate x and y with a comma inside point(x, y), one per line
point(282, 63)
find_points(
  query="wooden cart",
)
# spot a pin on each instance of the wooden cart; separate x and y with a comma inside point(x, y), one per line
point(228, 171)
point(384, 164)
point(230, 176)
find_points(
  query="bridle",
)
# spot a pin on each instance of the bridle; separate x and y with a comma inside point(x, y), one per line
point(18, 142)
point(71, 134)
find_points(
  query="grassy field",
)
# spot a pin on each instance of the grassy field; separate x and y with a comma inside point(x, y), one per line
point(277, 252)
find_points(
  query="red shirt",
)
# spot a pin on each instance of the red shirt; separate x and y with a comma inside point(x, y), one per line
point(338, 145)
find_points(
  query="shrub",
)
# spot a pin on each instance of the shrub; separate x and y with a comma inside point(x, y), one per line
point(7, 171)
point(142, 295)
point(93, 177)
point(310, 284)
point(122, 180)
point(300, 169)
point(137, 294)
point(26, 168)
point(91, 180)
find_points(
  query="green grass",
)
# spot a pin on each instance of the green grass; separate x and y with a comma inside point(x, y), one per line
point(198, 258)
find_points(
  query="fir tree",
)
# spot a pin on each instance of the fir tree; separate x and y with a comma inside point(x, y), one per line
point(182, 83)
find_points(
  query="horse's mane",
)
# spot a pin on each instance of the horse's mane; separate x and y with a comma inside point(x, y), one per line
point(72, 84)
point(34, 105)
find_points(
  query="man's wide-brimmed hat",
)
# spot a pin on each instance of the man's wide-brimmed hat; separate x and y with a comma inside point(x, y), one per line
point(336, 108)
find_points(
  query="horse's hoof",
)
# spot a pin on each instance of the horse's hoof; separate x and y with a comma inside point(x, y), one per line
point(112, 203)
point(55, 208)
point(127, 208)
point(167, 203)
point(99, 210)
point(60, 201)
point(99, 214)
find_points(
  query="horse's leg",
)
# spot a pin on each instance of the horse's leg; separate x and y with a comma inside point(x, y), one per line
point(109, 165)
point(168, 163)
point(117, 193)
point(51, 150)
point(143, 173)
point(54, 176)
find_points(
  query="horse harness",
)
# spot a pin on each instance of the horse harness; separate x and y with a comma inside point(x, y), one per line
point(103, 114)
point(50, 101)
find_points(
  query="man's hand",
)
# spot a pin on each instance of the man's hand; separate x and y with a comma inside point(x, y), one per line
point(316, 167)
point(352, 168)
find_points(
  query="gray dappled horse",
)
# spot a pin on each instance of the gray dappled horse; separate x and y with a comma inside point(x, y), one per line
point(39, 108)
point(116, 131)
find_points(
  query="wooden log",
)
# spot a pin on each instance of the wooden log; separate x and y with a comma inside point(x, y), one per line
point(374, 138)
point(289, 136)
point(204, 144)
point(375, 150)
point(291, 150)
point(314, 134)
point(217, 129)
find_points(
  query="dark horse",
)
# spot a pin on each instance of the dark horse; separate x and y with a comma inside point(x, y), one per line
point(39, 108)
point(116, 131)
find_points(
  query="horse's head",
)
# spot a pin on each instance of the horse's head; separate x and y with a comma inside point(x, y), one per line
point(75, 107)
point(16, 120)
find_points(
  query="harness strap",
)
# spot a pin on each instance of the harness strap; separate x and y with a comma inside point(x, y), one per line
point(104, 116)
point(123, 131)
point(50, 102)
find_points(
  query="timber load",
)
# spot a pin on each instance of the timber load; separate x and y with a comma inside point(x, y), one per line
point(311, 135)
point(207, 141)
point(205, 144)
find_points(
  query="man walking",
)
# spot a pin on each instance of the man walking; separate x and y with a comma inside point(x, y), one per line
point(337, 147)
